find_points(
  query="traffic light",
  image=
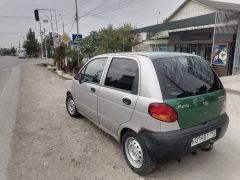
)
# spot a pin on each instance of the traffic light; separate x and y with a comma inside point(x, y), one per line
point(36, 15)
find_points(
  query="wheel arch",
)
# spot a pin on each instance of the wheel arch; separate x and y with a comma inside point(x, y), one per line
point(68, 93)
point(123, 131)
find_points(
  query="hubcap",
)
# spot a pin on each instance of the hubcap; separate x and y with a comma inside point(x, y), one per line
point(134, 152)
point(71, 106)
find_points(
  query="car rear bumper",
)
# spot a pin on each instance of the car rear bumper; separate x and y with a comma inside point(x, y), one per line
point(174, 144)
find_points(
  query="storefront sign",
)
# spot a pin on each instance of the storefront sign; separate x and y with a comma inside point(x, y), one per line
point(220, 55)
point(200, 36)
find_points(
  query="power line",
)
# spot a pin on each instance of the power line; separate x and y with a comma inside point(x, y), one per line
point(110, 8)
point(16, 17)
point(17, 32)
point(102, 8)
point(71, 27)
point(105, 19)
point(95, 8)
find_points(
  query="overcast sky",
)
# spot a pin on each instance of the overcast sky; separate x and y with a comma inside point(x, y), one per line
point(16, 16)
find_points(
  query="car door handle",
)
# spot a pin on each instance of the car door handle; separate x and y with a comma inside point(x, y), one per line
point(93, 90)
point(127, 101)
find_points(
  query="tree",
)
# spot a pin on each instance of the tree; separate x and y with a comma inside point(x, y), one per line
point(6, 51)
point(13, 51)
point(109, 40)
point(106, 40)
point(59, 55)
point(124, 39)
point(72, 59)
point(31, 44)
point(49, 42)
point(90, 44)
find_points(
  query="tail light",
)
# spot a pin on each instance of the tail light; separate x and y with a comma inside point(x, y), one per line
point(162, 112)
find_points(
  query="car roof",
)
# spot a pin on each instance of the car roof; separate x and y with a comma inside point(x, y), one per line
point(151, 55)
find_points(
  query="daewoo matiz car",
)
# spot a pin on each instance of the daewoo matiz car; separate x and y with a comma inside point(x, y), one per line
point(157, 105)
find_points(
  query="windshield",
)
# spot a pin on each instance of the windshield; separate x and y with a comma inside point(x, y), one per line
point(185, 76)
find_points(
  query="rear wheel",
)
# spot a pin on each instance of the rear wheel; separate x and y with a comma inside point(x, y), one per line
point(136, 154)
point(71, 107)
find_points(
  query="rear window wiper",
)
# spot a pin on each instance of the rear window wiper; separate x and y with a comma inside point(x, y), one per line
point(185, 92)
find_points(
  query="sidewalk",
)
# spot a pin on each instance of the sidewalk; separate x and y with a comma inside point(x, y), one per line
point(232, 84)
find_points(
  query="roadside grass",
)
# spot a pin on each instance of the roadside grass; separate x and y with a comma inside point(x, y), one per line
point(53, 69)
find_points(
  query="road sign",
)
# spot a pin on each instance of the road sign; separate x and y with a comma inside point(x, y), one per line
point(56, 44)
point(65, 38)
point(56, 40)
point(76, 38)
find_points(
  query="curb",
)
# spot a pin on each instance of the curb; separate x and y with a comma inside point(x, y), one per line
point(60, 73)
point(64, 75)
point(232, 91)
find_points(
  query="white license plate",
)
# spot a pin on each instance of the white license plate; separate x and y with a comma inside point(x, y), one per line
point(203, 138)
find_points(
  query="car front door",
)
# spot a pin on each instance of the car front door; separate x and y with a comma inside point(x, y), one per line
point(118, 95)
point(88, 87)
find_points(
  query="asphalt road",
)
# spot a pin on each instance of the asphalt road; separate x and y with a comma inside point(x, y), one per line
point(49, 144)
point(9, 90)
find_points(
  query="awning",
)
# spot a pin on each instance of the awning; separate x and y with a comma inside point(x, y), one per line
point(189, 22)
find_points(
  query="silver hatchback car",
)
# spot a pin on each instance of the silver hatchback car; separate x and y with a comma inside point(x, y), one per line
point(157, 105)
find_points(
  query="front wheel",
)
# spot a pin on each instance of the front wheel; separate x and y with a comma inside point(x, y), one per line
point(71, 107)
point(136, 154)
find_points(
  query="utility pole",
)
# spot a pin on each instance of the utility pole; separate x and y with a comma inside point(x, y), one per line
point(19, 46)
point(158, 17)
point(56, 23)
point(77, 22)
point(52, 18)
point(62, 23)
point(63, 27)
point(45, 42)
point(41, 38)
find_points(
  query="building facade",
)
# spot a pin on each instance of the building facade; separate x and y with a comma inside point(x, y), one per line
point(207, 28)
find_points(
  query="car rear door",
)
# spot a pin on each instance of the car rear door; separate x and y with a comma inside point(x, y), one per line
point(88, 88)
point(118, 95)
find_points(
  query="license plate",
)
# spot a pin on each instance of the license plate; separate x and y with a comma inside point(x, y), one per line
point(203, 138)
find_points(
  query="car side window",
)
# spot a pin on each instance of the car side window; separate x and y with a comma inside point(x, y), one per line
point(78, 76)
point(93, 71)
point(123, 74)
point(83, 70)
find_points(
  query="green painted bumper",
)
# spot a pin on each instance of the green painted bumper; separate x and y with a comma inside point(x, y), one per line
point(195, 110)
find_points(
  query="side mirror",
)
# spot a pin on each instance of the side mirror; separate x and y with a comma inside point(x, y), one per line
point(79, 77)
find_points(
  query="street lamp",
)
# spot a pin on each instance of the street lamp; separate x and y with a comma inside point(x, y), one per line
point(158, 16)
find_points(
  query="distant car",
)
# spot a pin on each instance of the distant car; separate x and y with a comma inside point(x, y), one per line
point(157, 105)
point(21, 54)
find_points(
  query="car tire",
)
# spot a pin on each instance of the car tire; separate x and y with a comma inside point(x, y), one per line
point(136, 154)
point(71, 107)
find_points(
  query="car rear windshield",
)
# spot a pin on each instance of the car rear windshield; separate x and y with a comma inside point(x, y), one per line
point(187, 76)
